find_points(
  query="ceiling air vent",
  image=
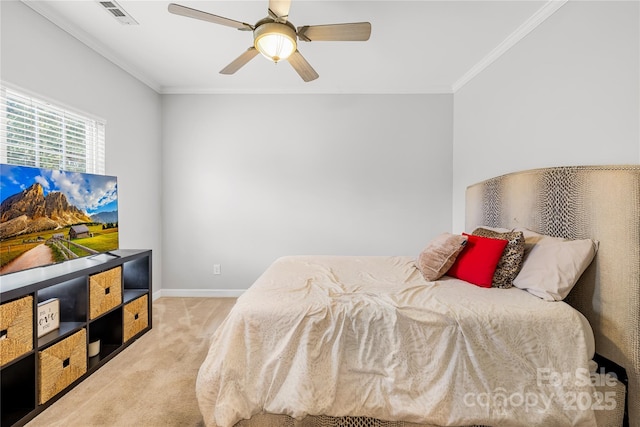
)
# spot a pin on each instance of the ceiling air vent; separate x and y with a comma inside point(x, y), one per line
point(118, 12)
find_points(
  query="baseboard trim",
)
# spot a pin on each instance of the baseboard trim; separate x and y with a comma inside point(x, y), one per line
point(198, 293)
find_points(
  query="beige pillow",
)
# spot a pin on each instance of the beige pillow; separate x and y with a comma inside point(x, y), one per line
point(439, 255)
point(511, 260)
point(553, 265)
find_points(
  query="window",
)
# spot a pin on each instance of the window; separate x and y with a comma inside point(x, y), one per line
point(34, 132)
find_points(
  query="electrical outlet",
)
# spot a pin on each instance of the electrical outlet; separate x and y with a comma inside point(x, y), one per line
point(216, 268)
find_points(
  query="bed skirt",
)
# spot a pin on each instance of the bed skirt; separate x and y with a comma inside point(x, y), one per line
point(271, 420)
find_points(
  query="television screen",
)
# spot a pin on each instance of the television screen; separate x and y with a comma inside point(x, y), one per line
point(50, 216)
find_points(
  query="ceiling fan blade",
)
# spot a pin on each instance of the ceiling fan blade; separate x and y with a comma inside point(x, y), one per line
point(204, 16)
point(356, 31)
point(240, 61)
point(279, 9)
point(302, 67)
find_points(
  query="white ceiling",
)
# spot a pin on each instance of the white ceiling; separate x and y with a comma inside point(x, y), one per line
point(415, 46)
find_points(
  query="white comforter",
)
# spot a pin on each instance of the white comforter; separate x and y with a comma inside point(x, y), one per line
point(369, 336)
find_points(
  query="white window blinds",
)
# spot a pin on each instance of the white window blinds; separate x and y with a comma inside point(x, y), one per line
point(36, 133)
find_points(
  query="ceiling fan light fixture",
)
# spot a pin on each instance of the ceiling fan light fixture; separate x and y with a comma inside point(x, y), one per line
point(275, 41)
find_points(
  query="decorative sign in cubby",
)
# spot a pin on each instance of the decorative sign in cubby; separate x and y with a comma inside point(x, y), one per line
point(48, 316)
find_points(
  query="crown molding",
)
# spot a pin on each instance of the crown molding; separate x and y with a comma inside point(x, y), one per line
point(194, 90)
point(55, 18)
point(548, 9)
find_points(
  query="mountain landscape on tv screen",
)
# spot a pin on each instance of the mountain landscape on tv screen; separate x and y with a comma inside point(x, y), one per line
point(49, 216)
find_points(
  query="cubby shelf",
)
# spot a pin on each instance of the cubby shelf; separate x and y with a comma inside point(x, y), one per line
point(65, 329)
point(70, 283)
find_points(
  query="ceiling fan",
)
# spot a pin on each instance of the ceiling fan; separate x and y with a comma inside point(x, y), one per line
point(275, 36)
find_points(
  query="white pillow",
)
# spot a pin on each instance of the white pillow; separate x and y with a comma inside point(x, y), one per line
point(553, 265)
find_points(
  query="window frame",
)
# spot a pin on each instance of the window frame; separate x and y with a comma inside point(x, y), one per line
point(50, 130)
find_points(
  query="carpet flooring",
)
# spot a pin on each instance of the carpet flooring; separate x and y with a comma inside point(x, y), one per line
point(152, 382)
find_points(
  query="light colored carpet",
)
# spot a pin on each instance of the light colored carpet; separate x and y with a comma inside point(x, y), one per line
point(152, 382)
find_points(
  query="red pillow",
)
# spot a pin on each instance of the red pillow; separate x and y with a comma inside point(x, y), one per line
point(478, 260)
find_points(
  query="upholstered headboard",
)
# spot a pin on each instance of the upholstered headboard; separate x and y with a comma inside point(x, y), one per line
point(597, 202)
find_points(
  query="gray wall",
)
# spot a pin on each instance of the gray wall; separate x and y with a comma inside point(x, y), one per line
point(353, 174)
point(43, 59)
point(346, 175)
point(567, 94)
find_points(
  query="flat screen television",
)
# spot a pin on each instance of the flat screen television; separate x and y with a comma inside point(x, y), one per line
point(50, 216)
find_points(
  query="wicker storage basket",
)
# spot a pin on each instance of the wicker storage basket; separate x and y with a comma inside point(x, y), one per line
point(105, 291)
point(16, 329)
point(136, 317)
point(61, 364)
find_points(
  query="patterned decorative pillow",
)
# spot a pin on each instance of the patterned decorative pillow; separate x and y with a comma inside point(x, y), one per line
point(439, 255)
point(511, 260)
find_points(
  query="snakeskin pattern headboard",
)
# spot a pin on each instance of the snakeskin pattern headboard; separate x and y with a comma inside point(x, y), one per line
point(598, 202)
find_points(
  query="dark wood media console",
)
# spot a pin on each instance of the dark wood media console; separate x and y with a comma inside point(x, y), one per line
point(106, 297)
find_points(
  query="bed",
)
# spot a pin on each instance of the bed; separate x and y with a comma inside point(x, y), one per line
point(367, 341)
